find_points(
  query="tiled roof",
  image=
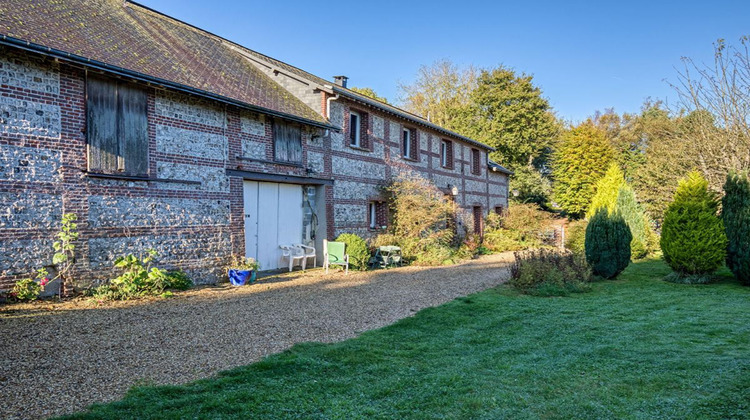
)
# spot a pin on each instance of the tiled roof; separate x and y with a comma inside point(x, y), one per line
point(289, 69)
point(134, 38)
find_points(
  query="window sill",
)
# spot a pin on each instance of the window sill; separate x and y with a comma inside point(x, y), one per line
point(142, 178)
point(271, 162)
point(360, 148)
point(410, 159)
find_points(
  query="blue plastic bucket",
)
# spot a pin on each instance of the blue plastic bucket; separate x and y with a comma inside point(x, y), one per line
point(241, 277)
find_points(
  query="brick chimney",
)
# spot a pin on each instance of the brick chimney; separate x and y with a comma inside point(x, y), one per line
point(340, 80)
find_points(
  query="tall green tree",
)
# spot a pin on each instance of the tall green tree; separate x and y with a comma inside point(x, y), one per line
point(508, 112)
point(580, 159)
point(366, 91)
point(736, 215)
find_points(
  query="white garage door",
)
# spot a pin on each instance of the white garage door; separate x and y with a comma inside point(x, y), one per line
point(273, 217)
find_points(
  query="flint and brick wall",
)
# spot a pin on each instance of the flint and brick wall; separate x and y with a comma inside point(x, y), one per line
point(195, 220)
point(360, 174)
point(191, 212)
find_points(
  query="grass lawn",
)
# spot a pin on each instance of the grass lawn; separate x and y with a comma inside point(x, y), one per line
point(635, 347)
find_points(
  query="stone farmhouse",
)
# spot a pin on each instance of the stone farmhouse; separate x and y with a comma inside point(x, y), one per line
point(157, 134)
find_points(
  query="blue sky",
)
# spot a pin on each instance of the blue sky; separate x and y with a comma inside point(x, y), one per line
point(584, 55)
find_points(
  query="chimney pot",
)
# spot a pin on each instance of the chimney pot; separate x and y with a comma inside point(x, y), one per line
point(340, 80)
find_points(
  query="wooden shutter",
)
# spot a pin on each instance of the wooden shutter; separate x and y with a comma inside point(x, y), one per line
point(477, 219)
point(476, 167)
point(287, 142)
point(414, 144)
point(133, 129)
point(101, 129)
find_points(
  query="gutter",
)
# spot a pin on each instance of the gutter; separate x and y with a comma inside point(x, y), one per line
point(407, 116)
point(73, 58)
point(496, 167)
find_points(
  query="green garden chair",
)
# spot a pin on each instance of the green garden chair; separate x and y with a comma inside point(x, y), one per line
point(334, 253)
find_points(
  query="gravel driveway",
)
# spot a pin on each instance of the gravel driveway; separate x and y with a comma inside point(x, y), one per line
point(60, 358)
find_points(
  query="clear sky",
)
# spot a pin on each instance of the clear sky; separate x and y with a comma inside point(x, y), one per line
point(584, 55)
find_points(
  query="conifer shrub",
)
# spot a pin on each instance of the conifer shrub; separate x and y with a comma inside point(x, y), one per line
point(356, 248)
point(736, 216)
point(607, 245)
point(615, 194)
point(607, 191)
point(692, 238)
point(635, 217)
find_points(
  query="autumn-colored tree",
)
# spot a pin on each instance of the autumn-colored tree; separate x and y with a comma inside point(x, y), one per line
point(369, 93)
point(580, 159)
point(439, 90)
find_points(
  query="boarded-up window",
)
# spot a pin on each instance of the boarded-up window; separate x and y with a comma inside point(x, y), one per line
point(287, 142)
point(117, 127)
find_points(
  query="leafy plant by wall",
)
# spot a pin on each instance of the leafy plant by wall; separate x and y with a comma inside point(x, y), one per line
point(356, 248)
point(426, 225)
point(139, 278)
point(607, 245)
point(693, 238)
point(736, 216)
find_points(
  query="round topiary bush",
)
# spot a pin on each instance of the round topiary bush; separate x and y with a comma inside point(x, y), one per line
point(607, 244)
point(736, 215)
point(692, 237)
point(357, 249)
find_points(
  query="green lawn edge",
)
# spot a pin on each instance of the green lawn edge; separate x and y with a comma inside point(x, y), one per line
point(634, 347)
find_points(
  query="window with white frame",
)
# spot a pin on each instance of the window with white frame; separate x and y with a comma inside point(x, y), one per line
point(406, 142)
point(355, 134)
point(373, 214)
point(446, 154)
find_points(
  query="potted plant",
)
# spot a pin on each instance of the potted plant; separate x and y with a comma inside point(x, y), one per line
point(242, 270)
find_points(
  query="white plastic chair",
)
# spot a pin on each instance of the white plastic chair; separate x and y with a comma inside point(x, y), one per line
point(309, 253)
point(294, 254)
